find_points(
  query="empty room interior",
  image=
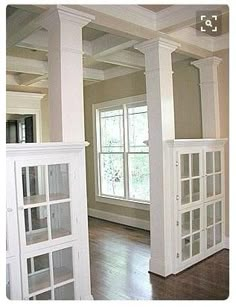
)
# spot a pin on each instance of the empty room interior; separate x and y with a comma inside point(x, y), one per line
point(117, 152)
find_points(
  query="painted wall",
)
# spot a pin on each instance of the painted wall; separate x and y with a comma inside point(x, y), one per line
point(187, 101)
point(223, 75)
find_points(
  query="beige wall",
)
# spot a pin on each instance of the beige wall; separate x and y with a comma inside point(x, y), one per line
point(223, 75)
point(188, 122)
point(187, 101)
point(125, 86)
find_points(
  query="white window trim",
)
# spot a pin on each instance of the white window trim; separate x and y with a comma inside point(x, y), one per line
point(142, 205)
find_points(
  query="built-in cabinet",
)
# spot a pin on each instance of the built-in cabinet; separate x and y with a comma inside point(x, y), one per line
point(198, 199)
point(49, 238)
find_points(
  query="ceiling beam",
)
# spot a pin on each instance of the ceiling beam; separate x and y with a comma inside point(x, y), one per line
point(28, 66)
point(124, 58)
point(178, 17)
point(39, 70)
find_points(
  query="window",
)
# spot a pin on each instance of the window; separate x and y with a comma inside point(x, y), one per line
point(122, 158)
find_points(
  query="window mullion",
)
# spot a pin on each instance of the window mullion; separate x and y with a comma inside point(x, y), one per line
point(126, 149)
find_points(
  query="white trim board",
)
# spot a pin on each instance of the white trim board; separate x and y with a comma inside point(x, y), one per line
point(119, 219)
point(226, 242)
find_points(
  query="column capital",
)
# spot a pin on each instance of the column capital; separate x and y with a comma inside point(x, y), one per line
point(60, 13)
point(211, 61)
point(157, 43)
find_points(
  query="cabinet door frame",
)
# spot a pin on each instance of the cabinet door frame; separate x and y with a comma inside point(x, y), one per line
point(76, 271)
point(221, 195)
point(215, 248)
point(12, 240)
point(181, 265)
point(74, 200)
point(178, 196)
point(15, 275)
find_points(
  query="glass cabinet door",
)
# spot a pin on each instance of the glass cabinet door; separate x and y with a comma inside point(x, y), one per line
point(190, 184)
point(191, 226)
point(46, 202)
point(50, 275)
point(213, 174)
point(214, 224)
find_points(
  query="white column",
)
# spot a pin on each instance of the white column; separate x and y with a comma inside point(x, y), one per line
point(209, 96)
point(65, 72)
point(159, 87)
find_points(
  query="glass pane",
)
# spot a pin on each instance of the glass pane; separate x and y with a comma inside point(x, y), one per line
point(185, 248)
point(58, 178)
point(209, 162)
point(139, 176)
point(195, 164)
point(112, 174)
point(217, 161)
point(218, 184)
point(196, 244)
point(218, 213)
point(137, 128)
point(209, 186)
point(218, 233)
point(60, 220)
point(184, 161)
point(185, 221)
point(43, 296)
point(111, 130)
point(8, 287)
point(65, 292)
point(38, 273)
point(33, 181)
point(36, 225)
point(185, 197)
point(195, 190)
point(196, 220)
point(210, 237)
point(62, 265)
point(210, 218)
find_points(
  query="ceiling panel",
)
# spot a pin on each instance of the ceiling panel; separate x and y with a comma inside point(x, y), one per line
point(90, 34)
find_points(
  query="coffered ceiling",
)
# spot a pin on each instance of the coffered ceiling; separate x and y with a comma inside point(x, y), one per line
point(108, 42)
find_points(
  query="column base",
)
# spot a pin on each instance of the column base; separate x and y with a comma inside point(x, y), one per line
point(88, 297)
point(158, 267)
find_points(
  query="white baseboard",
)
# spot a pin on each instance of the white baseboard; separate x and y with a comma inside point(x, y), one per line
point(120, 219)
point(226, 242)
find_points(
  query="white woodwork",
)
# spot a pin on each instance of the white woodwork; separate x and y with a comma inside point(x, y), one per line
point(65, 63)
point(209, 96)
point(131, 13)
point(194, 233)
point(124, 58)
point(29, 66)
point(159, 85)
point(190, 35)
point(63, 234)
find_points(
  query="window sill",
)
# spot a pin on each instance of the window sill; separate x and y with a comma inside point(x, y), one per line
point(123, 203)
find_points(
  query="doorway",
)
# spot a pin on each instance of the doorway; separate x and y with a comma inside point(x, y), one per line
point(20, 128)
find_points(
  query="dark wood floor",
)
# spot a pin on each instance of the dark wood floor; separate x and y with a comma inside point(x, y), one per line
point(119, 269)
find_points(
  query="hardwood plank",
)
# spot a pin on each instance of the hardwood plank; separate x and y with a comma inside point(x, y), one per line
point(120, 262)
